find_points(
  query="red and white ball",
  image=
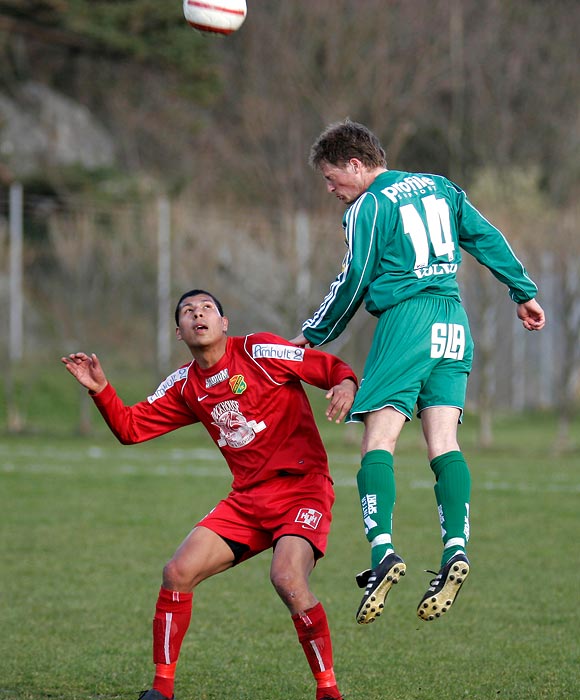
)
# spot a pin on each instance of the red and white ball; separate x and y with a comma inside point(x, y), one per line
point(215, 16)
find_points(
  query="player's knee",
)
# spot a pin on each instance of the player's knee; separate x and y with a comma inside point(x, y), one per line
point(174, 577)
point(288, 584)
point(281, 581)
point(436, 448)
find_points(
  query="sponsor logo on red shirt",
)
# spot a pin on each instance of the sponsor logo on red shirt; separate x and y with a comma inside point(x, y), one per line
point(277, 352)
point(309, 518)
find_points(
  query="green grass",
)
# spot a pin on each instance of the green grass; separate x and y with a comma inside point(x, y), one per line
point(86, 526)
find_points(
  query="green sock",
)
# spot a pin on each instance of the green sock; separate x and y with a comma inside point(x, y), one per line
point(376, 487)
point(452, 492)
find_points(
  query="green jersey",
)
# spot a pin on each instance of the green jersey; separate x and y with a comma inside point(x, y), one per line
point(404, 237)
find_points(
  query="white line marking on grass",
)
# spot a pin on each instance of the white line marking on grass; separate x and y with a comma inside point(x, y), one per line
point(122, 470)
point(201, 462)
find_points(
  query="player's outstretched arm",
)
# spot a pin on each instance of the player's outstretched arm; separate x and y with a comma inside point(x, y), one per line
point(531, 315)
point(341, 398)
point(87, 370)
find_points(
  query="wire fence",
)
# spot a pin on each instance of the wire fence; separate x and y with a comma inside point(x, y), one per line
point(81, 273)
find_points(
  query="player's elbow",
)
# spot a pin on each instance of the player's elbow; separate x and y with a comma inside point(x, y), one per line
point(126, 441)
point(126, 438)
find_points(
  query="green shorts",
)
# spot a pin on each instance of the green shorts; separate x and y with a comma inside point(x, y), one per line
point(421, 355)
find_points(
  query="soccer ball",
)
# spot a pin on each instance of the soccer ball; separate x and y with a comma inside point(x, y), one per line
point(215, 16)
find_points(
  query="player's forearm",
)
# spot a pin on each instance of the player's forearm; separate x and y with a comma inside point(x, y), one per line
point(331, 318)
point(325, 371)
point(340, 304)
point(490, 248)
point(343, 373)
point(118, 416)
point(323, 332)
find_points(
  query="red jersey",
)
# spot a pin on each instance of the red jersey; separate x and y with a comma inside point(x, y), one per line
point(251, 402)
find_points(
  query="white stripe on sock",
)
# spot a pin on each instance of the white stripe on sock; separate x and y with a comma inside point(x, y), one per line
point(168, 621)
point(381, 539)
point(318, 656)
point(455, 542)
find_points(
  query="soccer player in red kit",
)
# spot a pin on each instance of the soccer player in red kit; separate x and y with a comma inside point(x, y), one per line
point(247, 392)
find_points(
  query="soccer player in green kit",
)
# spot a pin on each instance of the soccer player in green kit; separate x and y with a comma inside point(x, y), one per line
point(404, 232)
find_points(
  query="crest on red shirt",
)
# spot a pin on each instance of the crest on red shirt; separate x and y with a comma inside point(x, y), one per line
point(238, 384)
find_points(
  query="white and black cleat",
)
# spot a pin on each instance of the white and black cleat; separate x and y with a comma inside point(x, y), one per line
point(377, 583)
point(444, 588)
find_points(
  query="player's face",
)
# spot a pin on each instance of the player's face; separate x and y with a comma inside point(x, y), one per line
point(347, 182)
point(200, 322)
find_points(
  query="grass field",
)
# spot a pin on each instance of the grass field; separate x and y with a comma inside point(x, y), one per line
point(87, 524)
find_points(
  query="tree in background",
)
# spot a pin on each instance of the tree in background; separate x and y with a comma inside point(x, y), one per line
point(139, 69)
point(449, 86)
point(458, 87)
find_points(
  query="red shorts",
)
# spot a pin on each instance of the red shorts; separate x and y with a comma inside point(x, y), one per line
point(287, 505)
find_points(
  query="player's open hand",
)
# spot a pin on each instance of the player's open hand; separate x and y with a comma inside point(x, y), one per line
point(87, 370)
point(341, 398)
point(531, 315)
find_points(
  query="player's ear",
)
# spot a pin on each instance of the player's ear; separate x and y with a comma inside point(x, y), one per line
point(355, 164)
point(225, 324)
point(178, 334)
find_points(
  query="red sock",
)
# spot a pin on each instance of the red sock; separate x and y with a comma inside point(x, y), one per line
point(172, 616)
point(314, 636)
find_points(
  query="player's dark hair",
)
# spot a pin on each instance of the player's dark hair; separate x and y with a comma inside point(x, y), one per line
point(194, 293)
point(341, 141)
